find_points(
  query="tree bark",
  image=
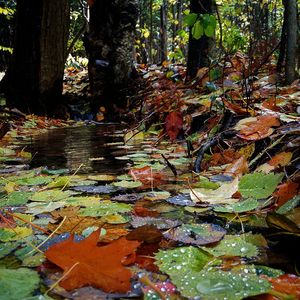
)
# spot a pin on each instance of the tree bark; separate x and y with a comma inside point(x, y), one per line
point(110, 51)
point(164, 30)
point(199, 50)
point(34, 80)
point(290, 7)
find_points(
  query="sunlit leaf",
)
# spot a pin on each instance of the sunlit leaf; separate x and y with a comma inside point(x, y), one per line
point(238, 207)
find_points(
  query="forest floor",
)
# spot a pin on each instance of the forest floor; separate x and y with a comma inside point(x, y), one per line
point(207, 206)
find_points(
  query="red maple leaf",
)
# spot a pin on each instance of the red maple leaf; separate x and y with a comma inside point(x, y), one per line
point(86, 264)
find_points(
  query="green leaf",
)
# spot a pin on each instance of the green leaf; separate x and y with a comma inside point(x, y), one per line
point(220, 285)
point(18, 284)
point(233, 245)
point(128, 184)
point(259, 185)
point(6, 152)
point(36, 208)
point(270, 272)
point(238, 207)
point(288, 206)
point(105, 208)
point(197, 30)
point(190, 19)
point(52, 195)
point(209, 31)
point(37, 180)
point(6, 248)
point(60, 182)
point(15, 199)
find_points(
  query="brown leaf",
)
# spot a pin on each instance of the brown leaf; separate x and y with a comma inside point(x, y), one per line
point(86, 264)
point(258, 129)
point(174, 124)
point(285, 192)
point(237, 168)
point(146, 233)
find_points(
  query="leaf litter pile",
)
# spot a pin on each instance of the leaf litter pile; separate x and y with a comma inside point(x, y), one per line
point(208, 207)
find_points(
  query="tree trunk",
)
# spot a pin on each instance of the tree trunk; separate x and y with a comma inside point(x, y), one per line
point(34, 80)
point(199, 50)
point(110, 51)
point(290, 7)
point(164, 30)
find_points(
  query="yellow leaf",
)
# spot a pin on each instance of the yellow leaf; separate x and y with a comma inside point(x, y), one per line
point(10, 187)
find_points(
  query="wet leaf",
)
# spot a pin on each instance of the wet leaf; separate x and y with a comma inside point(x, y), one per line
point(238, 207)
point(259, 185)
point(221, 195)
point(99, 189)
point(36, 208)
point(15, 199)
point(160, 223)
point(237, 168)
point(102, 177)
point(146, 233)
point(287, 284)
point(258, 128)
point(105, 208)
point(196, 234)
point(220, 285)
point(84, 201)
point(60, 182)
point(282, 222)
point(18, 284)
point(51, 196)
point(14, 234)
point(127, 198)
point(128, 184)
point(100, 267)
point(174, 124)
point(181, 200)
point(233, 245)
point(37, 180)
point(8, 247)
point(288, 206)
point(285, 192)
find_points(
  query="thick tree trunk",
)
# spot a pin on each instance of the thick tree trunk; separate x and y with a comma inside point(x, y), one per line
point(199, 50)
point(164, 30)
point(290, 7)
point(110, 51)
point(34, 80)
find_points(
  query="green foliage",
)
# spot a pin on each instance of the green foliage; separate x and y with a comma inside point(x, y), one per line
point(201, 24)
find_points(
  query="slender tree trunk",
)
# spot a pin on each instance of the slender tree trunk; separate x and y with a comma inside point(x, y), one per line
point(110, 51)
point(199, 50)
point(33, 82)
point(164, 30)
point(290, 7)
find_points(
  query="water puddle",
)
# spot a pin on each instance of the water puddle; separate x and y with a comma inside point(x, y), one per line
point(68, 148)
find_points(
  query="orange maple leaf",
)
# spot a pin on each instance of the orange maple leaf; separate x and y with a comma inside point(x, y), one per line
point(86, 264)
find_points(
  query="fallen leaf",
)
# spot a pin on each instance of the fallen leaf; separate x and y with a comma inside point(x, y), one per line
point(237, 168)
point(222, 195)
point(174, 124)
point(87, 264)
point(285, 192)
point(253, 129)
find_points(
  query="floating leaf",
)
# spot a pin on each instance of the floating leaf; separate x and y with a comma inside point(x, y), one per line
point(238, 207)
point(183, 265)
point(259, 185)
point(36, 208)
point(51, 196)
point(233, 245)
point(15, 199)
point(37, 180)
point(14, 234)
point(174, 124)
point(18, 284)
point(220, 285)
point(85, 201)
point(6, 248)
point(105, 208)
point(128, 184)
point(99, 189)
point(160, 223)
point(181, 200)
point(101, 177)
point(221, 195)
point(60, 182)
point(196, 234)
point(288, 206)
point(87, 264)
point(285, 192)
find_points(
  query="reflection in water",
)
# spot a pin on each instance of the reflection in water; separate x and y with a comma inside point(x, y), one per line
point(71, 147)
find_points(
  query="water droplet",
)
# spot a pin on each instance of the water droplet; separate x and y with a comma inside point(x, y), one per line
point(182, 250)
point(244, 249)
point(246, 271)
point(178, 267)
